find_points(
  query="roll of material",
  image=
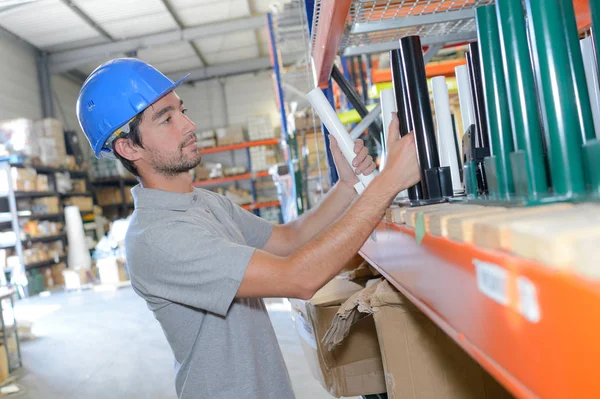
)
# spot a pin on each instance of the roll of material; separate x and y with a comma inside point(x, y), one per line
point(446, 141)
point(477, 93)
point(417, 92)
point(415, 193)
point(520, 83)
point(79, 255)
point(593, 84)
point(465, 99)
point(335, 127)
point(388, 106)
point(547, 28)
point(497, 110)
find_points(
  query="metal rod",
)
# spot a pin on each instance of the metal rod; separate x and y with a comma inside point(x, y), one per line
point(475, 77)
point(595, 13)
point(352, 95)
point(417, 92)
point(333, 174)
point(591, 75)
point(465, 98)
point(415, 193)
point(559, 111)
point(575, 58)
point(520, 83)
point(362, 80)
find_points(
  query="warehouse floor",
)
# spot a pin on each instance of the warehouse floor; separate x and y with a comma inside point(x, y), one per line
point(108, 345)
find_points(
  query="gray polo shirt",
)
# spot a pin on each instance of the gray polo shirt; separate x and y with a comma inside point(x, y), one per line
point(187, 255)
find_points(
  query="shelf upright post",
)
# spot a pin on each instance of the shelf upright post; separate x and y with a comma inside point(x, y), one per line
point(17, 277)
point(276, 64)
point(333, 175)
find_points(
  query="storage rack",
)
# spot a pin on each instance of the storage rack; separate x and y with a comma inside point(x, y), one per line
point(546, 356)
point(120, 210)
point(255, 206)
point(17, 277)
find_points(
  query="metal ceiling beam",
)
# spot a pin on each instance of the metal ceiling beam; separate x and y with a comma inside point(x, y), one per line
point(414, 20)
point(222, 70)
point(87, 19)
point(425, 41)
point(179, 23)
point(66, 60)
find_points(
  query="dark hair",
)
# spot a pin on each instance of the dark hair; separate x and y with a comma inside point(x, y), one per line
point(135, 137)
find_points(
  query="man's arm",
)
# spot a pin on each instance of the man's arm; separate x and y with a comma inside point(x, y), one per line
point(302, 273)
point(287, 238)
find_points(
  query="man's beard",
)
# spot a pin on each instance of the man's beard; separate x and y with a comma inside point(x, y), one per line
point(174, 166)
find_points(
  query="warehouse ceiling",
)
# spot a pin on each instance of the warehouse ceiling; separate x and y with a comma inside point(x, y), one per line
point(173, 35)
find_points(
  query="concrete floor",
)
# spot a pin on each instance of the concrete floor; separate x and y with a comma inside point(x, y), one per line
point(108, 345)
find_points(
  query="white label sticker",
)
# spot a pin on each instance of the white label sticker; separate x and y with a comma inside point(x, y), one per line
point(528, 303)
point(492, 280)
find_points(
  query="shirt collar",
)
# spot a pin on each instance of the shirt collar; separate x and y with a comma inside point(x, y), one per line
point(152, 198)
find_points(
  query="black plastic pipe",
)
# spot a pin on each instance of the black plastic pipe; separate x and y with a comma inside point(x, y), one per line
point(417, 91)
point(415, 193)
point(476, 80)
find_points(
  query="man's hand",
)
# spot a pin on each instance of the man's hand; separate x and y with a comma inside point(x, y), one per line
point(362, 163)
point(401, 165)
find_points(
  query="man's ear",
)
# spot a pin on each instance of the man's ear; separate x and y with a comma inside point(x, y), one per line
point(127, 149)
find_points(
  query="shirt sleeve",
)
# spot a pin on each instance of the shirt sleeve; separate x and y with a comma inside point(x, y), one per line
point(187, 264)
point(256, 231)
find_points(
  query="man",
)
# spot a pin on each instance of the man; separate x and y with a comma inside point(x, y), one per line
point(202, 263)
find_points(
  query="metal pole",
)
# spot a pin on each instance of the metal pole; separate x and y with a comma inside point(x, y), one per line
point(355, 100)
point(362, 80)
point(520, 82)
point(333, 174)
point(45, 85)
point(559, 111)
point(582, 96)
point(417, 91)
point(595, 12)
point(476, 79)
point(415, 193)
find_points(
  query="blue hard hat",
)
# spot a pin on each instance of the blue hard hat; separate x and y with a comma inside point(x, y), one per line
point(114, 94)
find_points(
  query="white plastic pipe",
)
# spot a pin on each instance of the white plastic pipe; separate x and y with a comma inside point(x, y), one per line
point(446, 147)
point(388, 106)
point(467, 110)
point(335, 127)
point(591, 76)
point(365, 122)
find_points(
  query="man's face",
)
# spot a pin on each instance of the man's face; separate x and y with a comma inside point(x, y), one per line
point(168, 137)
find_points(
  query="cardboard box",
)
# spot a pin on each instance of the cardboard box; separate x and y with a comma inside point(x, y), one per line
point(420, 360)
point(57, 274)
point(4, 373)
point(83, 203)
point(351, 369)
point(128, 195)
point(45, 205)
point(109, 196)
point(230, 135)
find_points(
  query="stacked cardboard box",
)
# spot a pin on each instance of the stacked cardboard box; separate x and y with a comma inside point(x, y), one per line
point(85, 204)
point(229, 135)
point(45, 205)
point(109, 196)
point(51, 140)
point(259, 128)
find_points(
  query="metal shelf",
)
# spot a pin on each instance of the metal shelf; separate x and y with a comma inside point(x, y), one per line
point(245, 176)
point(47, 262)
point(74, 194)
point(260, 205)
point(51, 238)
point(376, 26)
point(49, 169)
point(239, 146)
point(35, 194)
point(538, 338)
point(112, 181)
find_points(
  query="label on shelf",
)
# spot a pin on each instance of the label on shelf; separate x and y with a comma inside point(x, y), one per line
point(528, 302)
point(492, 281)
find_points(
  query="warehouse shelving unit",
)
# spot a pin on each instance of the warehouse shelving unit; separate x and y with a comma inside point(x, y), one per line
point(529, 325)
point(255, 206)
point(124, 208)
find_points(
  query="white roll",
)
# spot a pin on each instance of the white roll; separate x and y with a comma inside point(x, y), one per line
point(446, 145)
point(591, 76)
point(335, 127)
point(388, 106)
point(467, 110)
point(79, 255)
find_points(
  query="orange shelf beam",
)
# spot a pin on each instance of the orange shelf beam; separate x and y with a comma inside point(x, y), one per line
point(239, 146)
point(332, 18)
point(582, 13)
point(259, 205)
point(431, 69)
point(220, 180)
point(550, 356)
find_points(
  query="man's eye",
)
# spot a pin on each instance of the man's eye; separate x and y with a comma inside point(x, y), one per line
point(183, 111)
point(167, 120)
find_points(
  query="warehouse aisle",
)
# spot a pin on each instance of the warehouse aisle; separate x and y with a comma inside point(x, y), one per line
point(98, 345)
